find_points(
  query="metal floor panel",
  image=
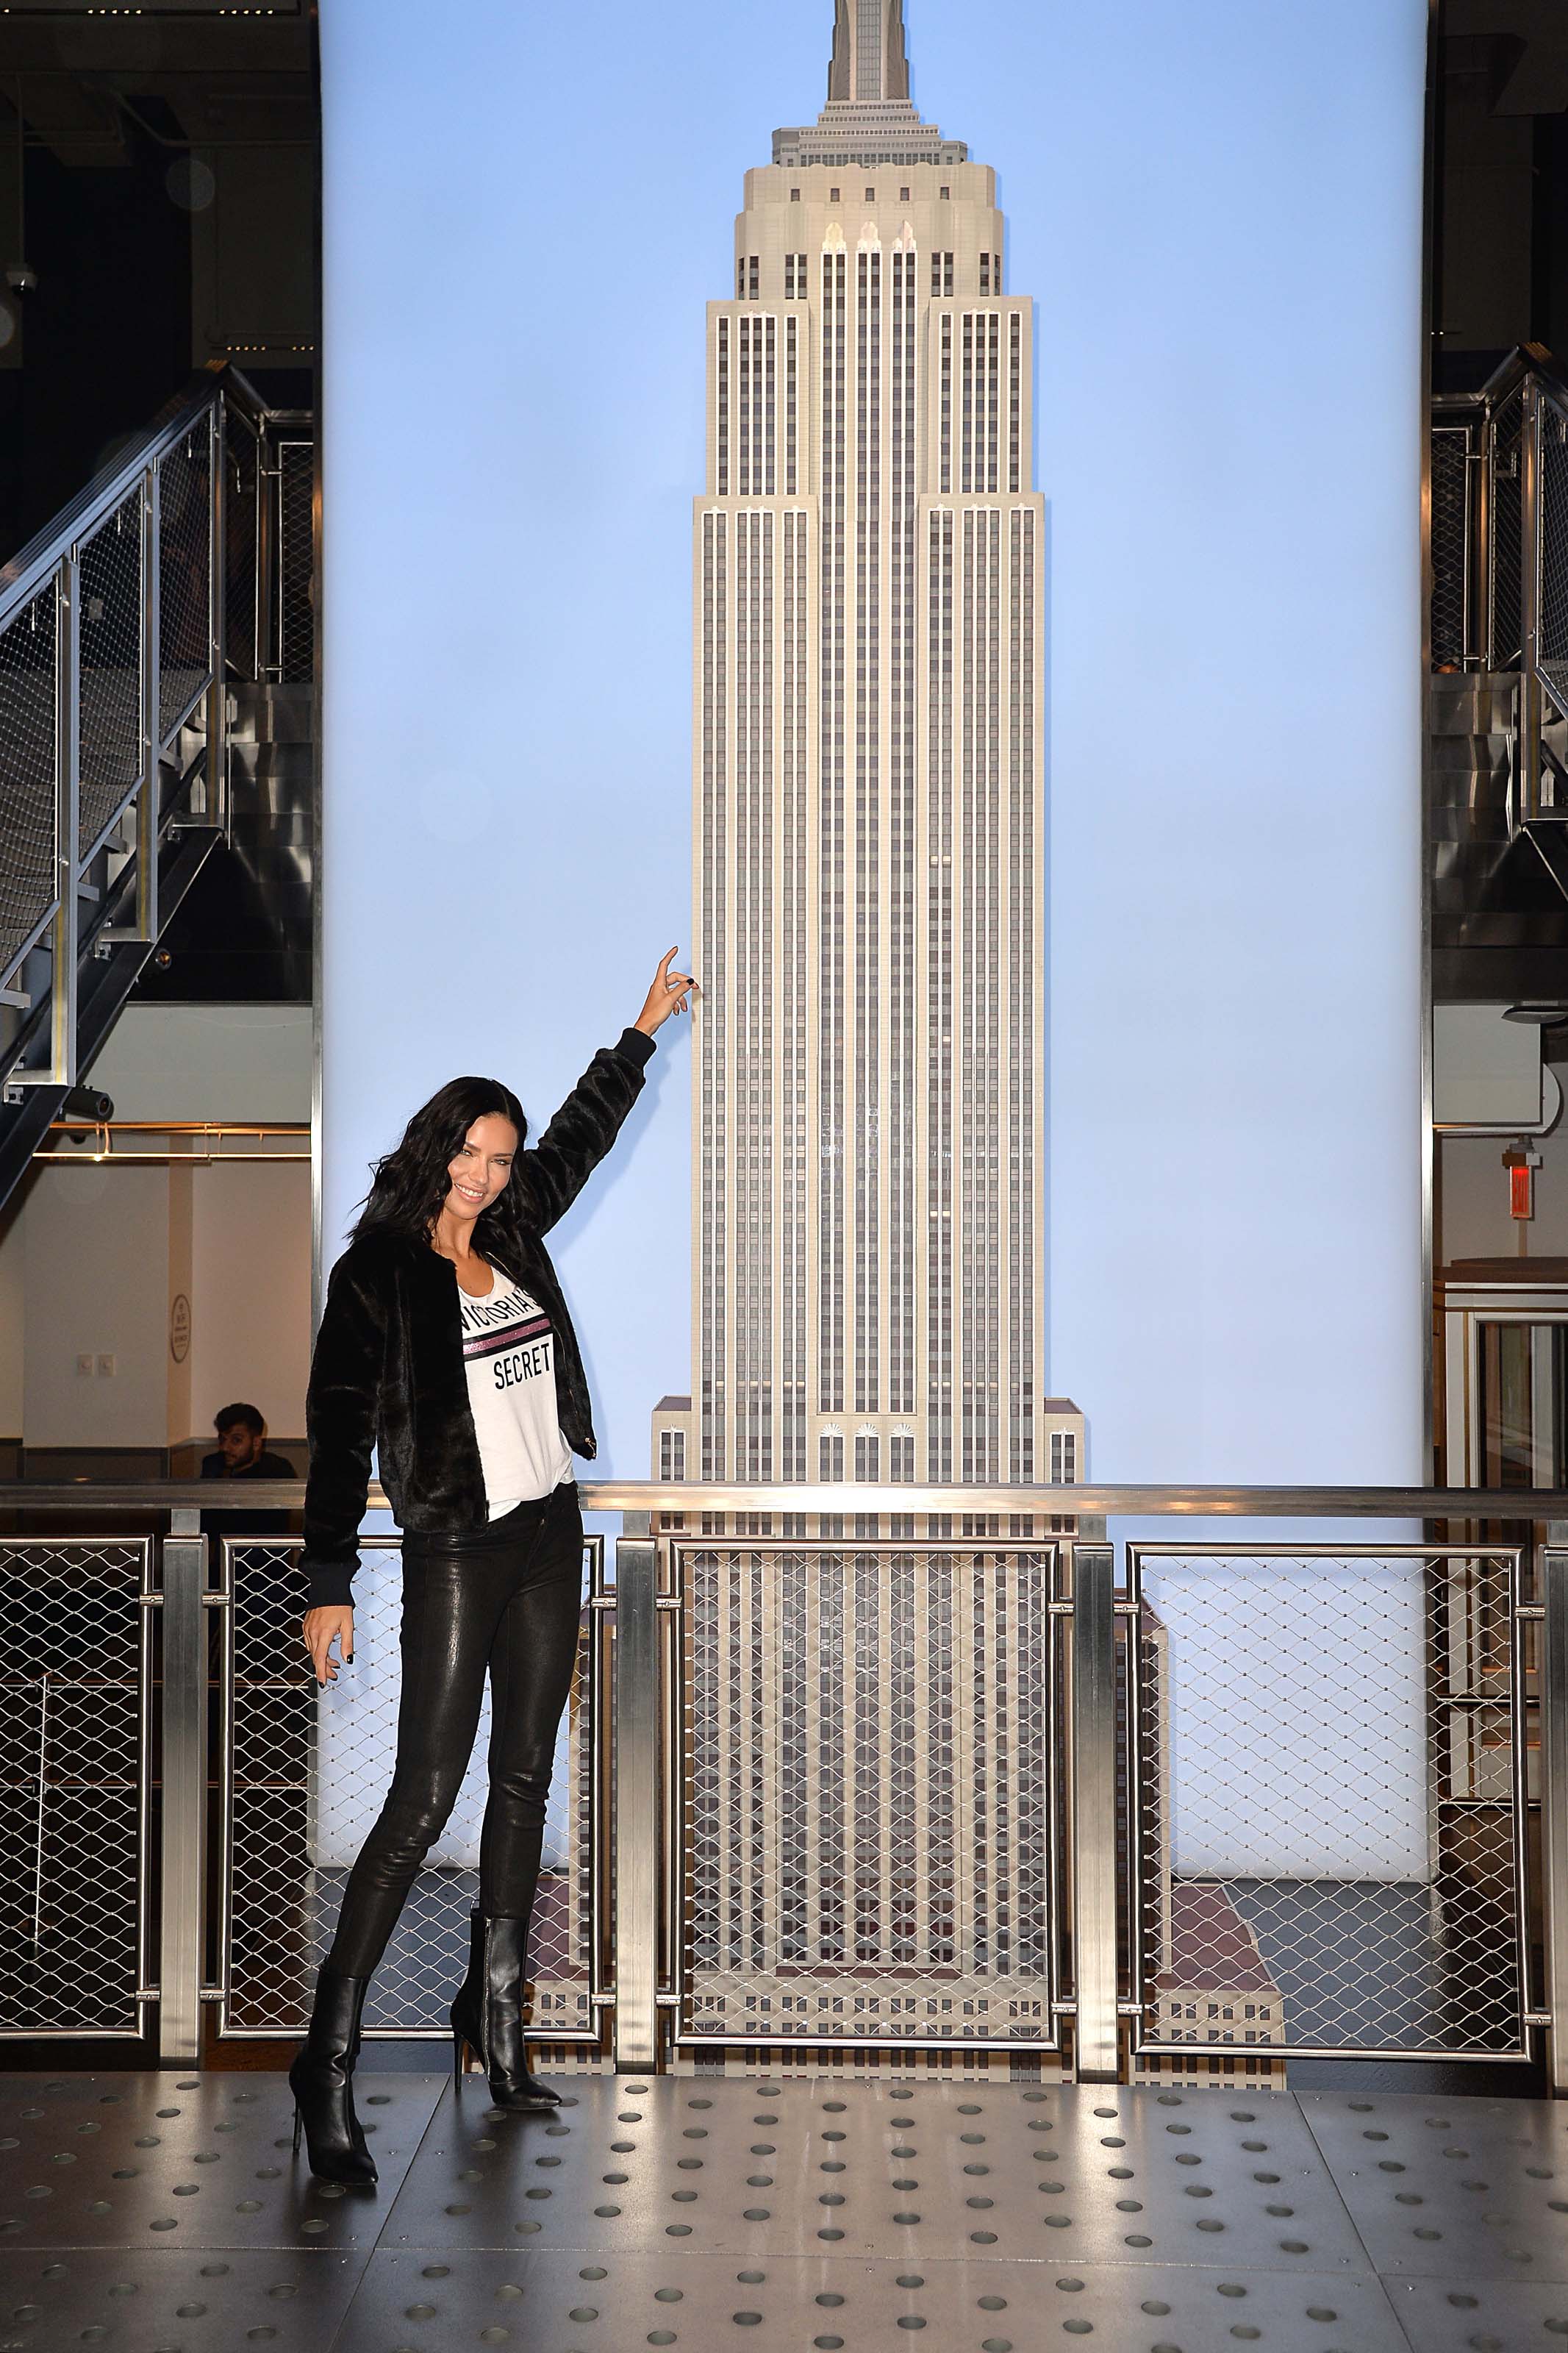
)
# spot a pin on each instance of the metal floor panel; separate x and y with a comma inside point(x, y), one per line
point(557, 2301)
point(688, 2211)
point(1450, 2188)
point(150, 2160)
point(1455, 2316)
point(146, 2300)
point(928, 2172)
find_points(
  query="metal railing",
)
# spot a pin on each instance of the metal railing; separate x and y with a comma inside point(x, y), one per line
point(184, 565)
point(1499, 558)
point(1014, 1796)
point(302, 1775)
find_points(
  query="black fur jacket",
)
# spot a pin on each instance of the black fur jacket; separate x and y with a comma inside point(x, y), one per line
point(388, 1366)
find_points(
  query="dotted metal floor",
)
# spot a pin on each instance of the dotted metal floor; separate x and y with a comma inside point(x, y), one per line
point(155, 2214)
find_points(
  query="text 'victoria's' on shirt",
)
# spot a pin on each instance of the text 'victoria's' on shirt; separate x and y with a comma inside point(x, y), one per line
point(509, 1356)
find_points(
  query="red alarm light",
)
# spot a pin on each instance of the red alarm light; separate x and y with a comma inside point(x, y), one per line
point(1521, 1163)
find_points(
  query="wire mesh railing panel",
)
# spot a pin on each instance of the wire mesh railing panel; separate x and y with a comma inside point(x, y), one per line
point(866, 1795)
point(296, 562)
point(1450, 546)
point(1552, 659)
point(1505, 552)
point(241, 544)
point(306, 1771)
point(27, 723)
point(73, 1756)
point(1325, 1802)
point(109, 659)
point(185, 575)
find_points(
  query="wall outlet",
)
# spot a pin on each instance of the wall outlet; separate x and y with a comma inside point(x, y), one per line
point(106, 1365)
point(84, 1365)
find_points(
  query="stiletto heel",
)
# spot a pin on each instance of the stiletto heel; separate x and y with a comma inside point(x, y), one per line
point(487, 2015)
point(457, 2060)
point(322, 2080)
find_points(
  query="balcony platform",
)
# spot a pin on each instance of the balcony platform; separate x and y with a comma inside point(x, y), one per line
point(158, 2209)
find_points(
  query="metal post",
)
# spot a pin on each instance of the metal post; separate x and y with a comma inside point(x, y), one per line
point(1529, 603)
point(218, 812)
point(147, 810)
point(268, 493)
point(1554, 1805)
point(636, 1786)
point(184, 1770)
point(1478, 556)
point(1096, 2042)
point(68, 817)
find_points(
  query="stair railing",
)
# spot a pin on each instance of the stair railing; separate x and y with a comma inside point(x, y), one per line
point(177, 570)
point(1499, 559)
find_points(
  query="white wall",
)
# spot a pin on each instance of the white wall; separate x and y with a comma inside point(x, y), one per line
point(208, 1061)
point(13, 1318)
point(96, 1251)
point(251, 1293)
point(88, 1265)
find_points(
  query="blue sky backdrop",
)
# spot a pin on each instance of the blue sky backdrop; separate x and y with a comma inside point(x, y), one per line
point(527, 211)
point(1217, 205)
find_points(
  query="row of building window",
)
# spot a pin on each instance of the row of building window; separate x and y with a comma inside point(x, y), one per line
point(868, 1458)
point(833, 194)
point(798, 284)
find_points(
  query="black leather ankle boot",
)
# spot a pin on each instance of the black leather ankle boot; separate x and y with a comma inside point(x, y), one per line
point(322, 2080)
point(488, 2014)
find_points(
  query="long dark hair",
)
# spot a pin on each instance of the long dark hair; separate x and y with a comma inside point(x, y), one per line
point(409, 1187)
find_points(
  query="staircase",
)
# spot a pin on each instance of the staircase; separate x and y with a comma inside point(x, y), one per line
point(1497, 730)
point(156, 712)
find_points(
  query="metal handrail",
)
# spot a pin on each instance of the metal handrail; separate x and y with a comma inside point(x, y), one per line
point(163, 796)
point(1530, 387)
point(29, 570)
point(1118, 1502)
point(1090, 1615)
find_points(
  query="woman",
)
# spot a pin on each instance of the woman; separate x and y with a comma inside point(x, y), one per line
point(446, 1345)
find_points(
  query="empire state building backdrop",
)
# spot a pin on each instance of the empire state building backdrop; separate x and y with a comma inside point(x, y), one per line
point(868, 827)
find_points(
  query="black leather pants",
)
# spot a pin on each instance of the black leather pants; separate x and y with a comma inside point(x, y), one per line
point(507, 1598)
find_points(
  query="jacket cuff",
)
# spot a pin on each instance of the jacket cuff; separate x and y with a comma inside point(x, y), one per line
point(332, 1586)
point(636, 1045)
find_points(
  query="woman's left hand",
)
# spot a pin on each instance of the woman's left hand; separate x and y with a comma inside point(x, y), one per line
point(667, 996)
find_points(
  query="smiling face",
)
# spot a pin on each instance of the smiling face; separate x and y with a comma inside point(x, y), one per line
point(482, 1166)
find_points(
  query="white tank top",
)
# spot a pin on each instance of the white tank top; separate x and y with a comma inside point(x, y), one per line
point(508, 1354)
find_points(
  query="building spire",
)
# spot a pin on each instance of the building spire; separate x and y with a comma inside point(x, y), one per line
point(868, 118)
point(869, 59)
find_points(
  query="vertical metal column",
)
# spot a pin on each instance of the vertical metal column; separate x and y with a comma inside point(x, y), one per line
point(1554, 1803)
point(1095, 1976)
point(67, 794)
point(268, 493)
point(218, 811)
point(147, 810)
point(183, 1770)
point(637, 1788)
point(1530, 712)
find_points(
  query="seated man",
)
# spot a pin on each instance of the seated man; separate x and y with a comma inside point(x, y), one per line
point(242, 1453)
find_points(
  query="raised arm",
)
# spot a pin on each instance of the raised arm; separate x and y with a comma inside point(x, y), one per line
point(339, 1422)
point(554, 1171)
